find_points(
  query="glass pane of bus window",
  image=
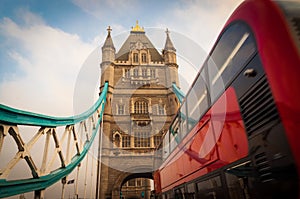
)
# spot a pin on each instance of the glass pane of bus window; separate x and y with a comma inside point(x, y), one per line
point(230, 55)
point(241, 58)
point(183, 122)
point(237, 187)
point(173, 141)
point(217, 86)
point(191, 191)
point(210, 188)
point(197, 102)
point(169, 195)
point(166, 149)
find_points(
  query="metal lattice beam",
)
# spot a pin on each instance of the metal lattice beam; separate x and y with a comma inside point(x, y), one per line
point(69, 155)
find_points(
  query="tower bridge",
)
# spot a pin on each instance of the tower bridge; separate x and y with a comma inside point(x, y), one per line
point(137, 103)
point(141, 105)
point(233, 136)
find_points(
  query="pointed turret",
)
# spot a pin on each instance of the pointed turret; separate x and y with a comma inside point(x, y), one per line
point(169, 55)
point(108, 48)
point(169, 52)
point(169, 45)
point(108, 57)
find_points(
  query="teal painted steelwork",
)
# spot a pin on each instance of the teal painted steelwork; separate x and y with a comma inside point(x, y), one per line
point(15, 187)
point(179, 94)
point(14, 116)
point(10, 115)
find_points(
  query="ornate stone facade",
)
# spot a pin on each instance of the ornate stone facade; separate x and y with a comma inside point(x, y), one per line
point(140, 107)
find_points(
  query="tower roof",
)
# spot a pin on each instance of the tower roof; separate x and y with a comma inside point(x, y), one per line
point(108, 41)
point(169, 45)
point(137, 40)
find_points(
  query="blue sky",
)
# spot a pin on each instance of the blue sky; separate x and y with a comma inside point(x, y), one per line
point(45, 44)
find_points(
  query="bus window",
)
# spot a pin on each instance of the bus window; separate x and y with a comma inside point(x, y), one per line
point(190, 194)
point(235, 47)
point(169, 195)
point(239, 180)
point(179, 193)
point(174, 140)
point(210, 188)
point(183, 122)
point(237, 187)
point(166, 148)
point(197, 101)
point(175, 126)
point(178, 128)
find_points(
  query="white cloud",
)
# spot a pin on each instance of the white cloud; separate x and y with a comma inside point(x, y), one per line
point(201, 21)
point(49, 60)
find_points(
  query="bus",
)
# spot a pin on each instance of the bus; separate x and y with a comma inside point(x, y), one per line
point(237, 132)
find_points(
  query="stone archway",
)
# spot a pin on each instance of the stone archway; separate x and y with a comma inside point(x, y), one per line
point(136, 172)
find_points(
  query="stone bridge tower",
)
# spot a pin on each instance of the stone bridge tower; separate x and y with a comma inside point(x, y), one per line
point(140, 107)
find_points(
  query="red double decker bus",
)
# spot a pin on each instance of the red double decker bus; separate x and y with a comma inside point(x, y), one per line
point(237, 132)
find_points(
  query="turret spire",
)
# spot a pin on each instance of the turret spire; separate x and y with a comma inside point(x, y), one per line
point(169, 45)
point(109, 30)
point(108, 48)
point(169, 52)
point(108, 41)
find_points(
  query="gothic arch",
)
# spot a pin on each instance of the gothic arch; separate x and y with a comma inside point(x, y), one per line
point(139, 172)
point(117, 139)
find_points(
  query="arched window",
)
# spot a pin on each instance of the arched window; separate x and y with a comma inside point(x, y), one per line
point(141, 107)
point(117, 140)
point(135, 57)
point(144, 58)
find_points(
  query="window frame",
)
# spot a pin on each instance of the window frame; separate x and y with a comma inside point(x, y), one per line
point(144, 72)
point(141, 107)
point(142, 139)
point(126, 141)
point(153, 73)
point(127, 72)
point(135, 72)
point(121, 109)
point(135, 57)
point(144, 58)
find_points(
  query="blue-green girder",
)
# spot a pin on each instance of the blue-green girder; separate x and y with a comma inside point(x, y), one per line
point(13, 116)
